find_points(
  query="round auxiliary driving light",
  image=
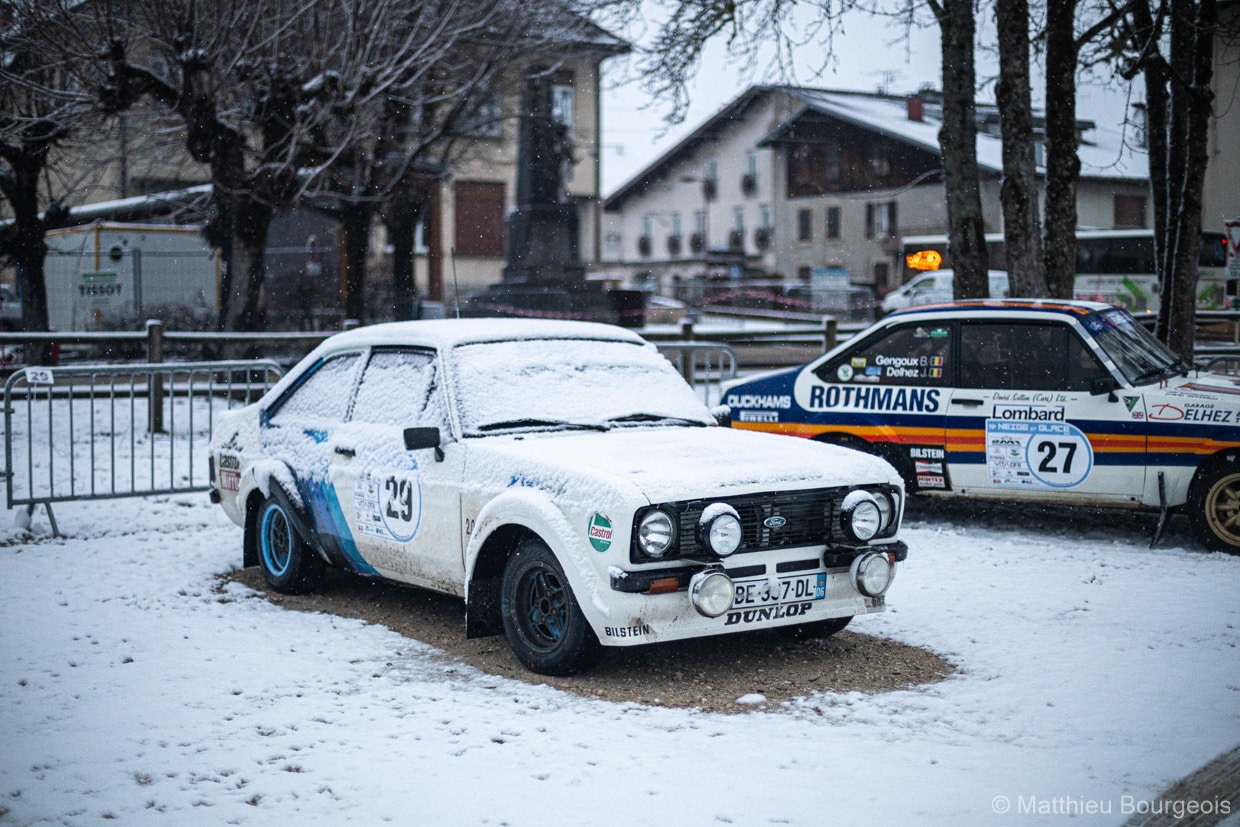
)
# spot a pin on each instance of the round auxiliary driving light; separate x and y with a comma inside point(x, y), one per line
point(871, 574)
point(719, 529)
point(860, 516)
point(655, 533)
point(710, 592)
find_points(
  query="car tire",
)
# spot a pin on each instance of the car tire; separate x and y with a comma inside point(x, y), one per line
point(288, 563)
point(542, 619)
point(817, 629)
point(1214, 506)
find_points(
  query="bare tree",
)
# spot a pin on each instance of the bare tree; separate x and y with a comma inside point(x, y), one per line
point(1022, 228)
point(1171, 43)
point(40, 112)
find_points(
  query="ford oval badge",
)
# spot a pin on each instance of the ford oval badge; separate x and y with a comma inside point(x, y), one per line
point(774, 522)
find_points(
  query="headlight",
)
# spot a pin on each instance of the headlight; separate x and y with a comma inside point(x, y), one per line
point(860, 516)
point(710, 592)
point(871, 573)
point(886, 508)
point(719, 529)
point(656, 533)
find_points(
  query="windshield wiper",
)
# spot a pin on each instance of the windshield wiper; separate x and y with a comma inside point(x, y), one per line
point(650, 417)
point(538, 423)
point(1155, 373)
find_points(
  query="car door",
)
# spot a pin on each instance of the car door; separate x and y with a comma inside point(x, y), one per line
point(889, 390)
point(1023, 422)
point(298, 430)
point(403, 506)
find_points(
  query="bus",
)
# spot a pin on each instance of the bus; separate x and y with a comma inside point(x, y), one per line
point(1115, 266)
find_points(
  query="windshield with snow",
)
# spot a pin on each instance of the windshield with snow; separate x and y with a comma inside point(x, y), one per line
point(565, 384)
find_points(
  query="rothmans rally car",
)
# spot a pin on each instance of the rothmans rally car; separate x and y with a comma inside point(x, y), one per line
point(1043, 401)
point(562, 478)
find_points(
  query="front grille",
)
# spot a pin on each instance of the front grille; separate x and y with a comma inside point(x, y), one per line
point(809, 518)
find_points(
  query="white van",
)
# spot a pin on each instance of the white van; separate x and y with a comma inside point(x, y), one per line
point(936, 286)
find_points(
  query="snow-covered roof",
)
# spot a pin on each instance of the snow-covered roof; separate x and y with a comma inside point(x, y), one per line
point(1102, 151)
point(443, 333)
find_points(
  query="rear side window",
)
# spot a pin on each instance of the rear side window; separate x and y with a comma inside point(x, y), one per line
point(911, 354)
point(322, 395)
point(1007, 356)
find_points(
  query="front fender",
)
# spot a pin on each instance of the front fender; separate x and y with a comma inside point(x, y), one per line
point(535, 511)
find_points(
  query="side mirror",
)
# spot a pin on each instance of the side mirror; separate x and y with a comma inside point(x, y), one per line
point(1106, 385)
point(417, 439)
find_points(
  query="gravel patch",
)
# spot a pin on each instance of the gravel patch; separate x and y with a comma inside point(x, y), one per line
point(729, 673)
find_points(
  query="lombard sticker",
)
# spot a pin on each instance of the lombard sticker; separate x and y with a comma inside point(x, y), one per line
point(844, 373)
point(600, 532)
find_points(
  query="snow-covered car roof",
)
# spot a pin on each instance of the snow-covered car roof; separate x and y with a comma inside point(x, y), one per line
point(441, 333)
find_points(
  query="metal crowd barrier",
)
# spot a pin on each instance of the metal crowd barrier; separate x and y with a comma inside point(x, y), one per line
point(103, 432)
point(703, 364)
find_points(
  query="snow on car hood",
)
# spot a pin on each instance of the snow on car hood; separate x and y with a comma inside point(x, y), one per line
point(665, 464)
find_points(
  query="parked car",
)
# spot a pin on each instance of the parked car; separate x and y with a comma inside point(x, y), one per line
point(559, 476)
point(936, 286)
point(1040, 401)
point(10, 309)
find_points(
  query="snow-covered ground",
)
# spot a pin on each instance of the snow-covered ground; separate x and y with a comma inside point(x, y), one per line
point(1093, 672)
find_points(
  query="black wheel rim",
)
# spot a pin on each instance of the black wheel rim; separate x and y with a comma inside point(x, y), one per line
point(542, 608)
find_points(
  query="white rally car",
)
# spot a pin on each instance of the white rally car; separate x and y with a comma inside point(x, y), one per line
point(1046, 401)
point(562, 478)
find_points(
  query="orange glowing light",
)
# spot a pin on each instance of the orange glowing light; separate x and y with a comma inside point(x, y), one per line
point(924, 260)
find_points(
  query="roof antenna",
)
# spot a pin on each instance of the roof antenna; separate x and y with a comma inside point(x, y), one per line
point(456, 287)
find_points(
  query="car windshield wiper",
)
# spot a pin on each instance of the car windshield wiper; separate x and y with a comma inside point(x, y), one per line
point(538, 423)
point(651, 417)
point(1156, 373)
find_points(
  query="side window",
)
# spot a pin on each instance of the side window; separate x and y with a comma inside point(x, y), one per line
point(1083, 366)
point(1025, 357)
point(324, 395)
point(914, 354)
point(401, 388)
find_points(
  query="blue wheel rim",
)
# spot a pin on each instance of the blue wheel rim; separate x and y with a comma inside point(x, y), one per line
point(545, 607)
point(276, 541)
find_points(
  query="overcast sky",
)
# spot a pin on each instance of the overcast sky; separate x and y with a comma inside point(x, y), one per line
point(869, 55)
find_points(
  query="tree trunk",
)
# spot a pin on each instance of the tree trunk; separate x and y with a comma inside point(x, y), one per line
point(355, 233)
point(1022, 234)
point(1063, 166)
point(1189, 176)
point(249, 264)
point(958, 140)
point(401, 221)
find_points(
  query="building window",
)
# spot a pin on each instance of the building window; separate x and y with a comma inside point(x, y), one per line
point(804, 273)
point(562, 108)
point(479, 218)
point(880, 164)
point(805, 225)
point(880, 220)
point(1130, 211)
point(833, 163)
point(482, 116)
point(749, 181)
point(833, 222)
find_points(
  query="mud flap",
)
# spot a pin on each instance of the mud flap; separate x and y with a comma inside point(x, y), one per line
point(1163, 512)
point(482, 609)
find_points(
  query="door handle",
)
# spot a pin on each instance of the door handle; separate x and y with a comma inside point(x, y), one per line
point(972, 403)
point(345, 452)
